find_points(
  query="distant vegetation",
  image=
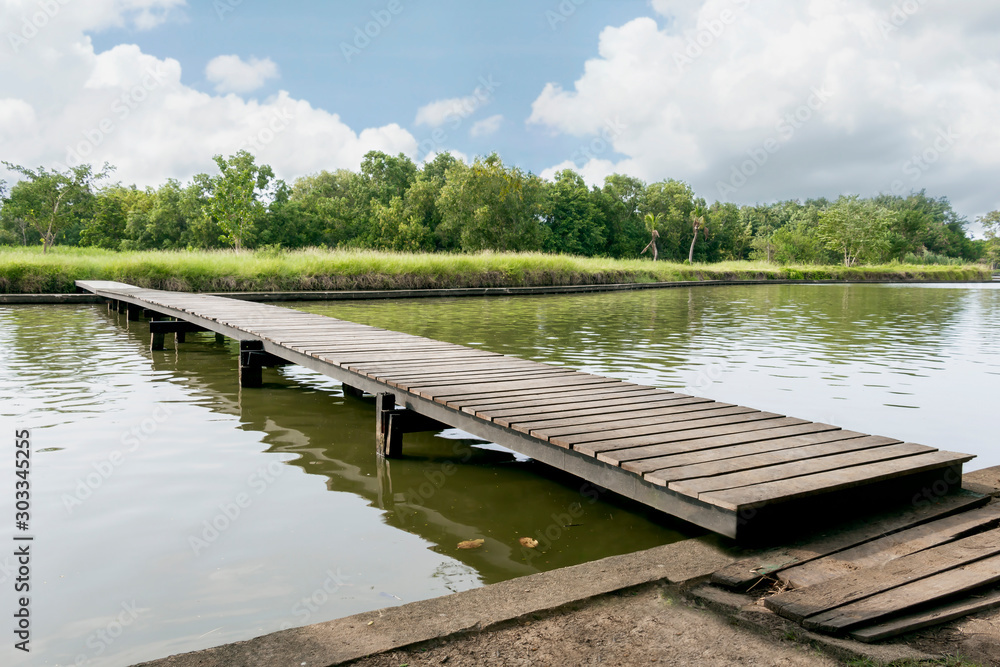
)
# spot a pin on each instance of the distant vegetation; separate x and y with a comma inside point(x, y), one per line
point(445, 205)
point(27, 270)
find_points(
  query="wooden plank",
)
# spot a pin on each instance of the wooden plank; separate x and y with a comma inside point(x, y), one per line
point(442, 393)
point(480, 406)
point(672, 432)
point(923, 619)
point(721, 461)
point(707, 413)
point(618, 450)
point(860, 584)
point(962, 579)
point(745, 572)
point(891, 547)
point(510, 377)
point(709, 449)
point(784, 471)
point(642, 399)
point(691, 445)
point(595, 411)
point(461, 375)
point(418, 369)
point(825, 482)
point(350, 359)
point(602, 413)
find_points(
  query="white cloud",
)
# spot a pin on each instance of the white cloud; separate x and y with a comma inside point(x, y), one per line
point(486, 126)
point(452, 110)
point(62, 103)
point(765, 100)
point(231, 74)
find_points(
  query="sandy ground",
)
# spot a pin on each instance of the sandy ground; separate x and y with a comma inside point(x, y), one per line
point(633, 628)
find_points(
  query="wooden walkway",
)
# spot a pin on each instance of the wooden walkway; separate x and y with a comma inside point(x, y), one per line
point(735, 470)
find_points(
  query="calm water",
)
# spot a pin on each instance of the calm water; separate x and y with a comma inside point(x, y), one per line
point(173, 512)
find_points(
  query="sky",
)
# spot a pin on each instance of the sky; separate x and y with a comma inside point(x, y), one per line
point(748, 101)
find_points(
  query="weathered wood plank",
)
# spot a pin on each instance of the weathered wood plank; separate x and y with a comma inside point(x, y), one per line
point(706, 447)
point(485, 380)
point(558, 397)
point(923, 619)
point(601, 413)
point(745, 572)
point(649, 446)
point(857, 585)
point(721, 461)
point(442, 393)
point(826, 482)
point(675, 432)
point(891, 547)
point(962, 579)
point(785, 471)
point(698, 412)
point(642, 399)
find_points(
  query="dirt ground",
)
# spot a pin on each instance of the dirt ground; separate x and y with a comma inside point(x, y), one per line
point(646, 627)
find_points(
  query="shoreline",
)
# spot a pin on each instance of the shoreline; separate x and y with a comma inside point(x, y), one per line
point(462, 292)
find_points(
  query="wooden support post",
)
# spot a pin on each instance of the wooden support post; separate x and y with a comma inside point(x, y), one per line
point(134, 312)
point(156, 341)
point(394, 435)
point(384, 405)
point(251, 353)
point(121, 306)
point(112, 306)
point(180, 337)
point(219, 338)
point(352, 391)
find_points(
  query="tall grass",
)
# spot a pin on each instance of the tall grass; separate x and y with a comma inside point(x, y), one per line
point(27, 270)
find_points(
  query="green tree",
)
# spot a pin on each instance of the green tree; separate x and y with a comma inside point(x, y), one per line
point(858, 229)
point(991, 230)
point(106, 228)
point(238, 194)
point(618, 204)
point(571, 217)
point(327, 205)
point(51, 201)
point(489, 206)
point(673, 202)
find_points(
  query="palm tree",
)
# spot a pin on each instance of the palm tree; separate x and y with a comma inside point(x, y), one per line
point(698, 224)
point(651, 223)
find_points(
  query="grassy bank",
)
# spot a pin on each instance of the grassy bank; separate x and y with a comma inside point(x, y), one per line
point(28, 271)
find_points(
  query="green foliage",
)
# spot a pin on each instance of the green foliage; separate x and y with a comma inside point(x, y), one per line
point(447, 205)
point(52, 202)
point(490, 206)
point(991, 229)
point(236, 203)
point(858, 229)
point(571, 217)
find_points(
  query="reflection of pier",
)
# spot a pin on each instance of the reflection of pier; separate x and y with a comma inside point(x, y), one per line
point(734, 470)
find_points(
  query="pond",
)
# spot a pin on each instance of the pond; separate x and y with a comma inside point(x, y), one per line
point(172, 511)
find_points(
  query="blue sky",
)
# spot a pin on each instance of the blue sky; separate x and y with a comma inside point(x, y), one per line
point(746, 100)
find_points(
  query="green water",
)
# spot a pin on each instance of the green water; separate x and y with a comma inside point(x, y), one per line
point(138, 454)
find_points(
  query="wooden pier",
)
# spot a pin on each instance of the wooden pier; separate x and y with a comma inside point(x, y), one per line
point(734, 470)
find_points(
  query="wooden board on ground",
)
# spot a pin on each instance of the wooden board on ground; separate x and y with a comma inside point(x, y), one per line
point(891, 547)
point(965, 578)
point(854, 586)
point(748, 571)
point(922, 619)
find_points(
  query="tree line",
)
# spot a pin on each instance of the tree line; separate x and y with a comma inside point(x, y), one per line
point(446, 205)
